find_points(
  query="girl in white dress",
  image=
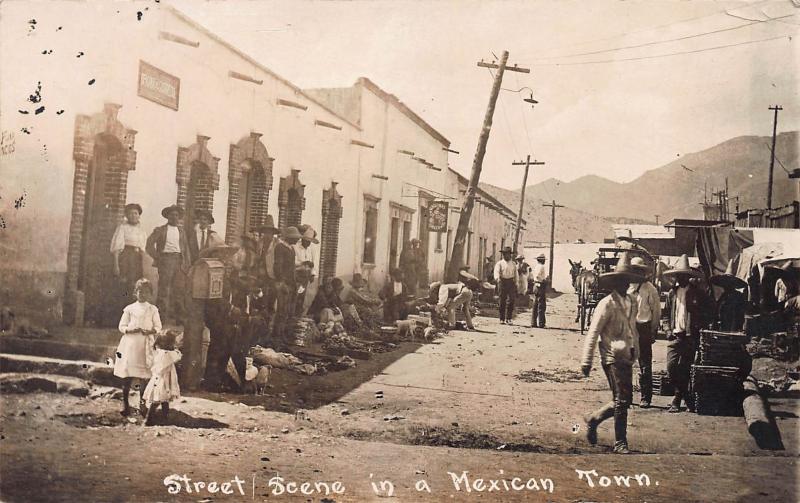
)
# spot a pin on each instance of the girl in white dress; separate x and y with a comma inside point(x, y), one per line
point(139, 324)
point(163, 386)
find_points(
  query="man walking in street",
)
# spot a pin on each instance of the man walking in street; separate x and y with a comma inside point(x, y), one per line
point(687, 303)
point(539, 292)
point(648, 318)
point(506, 276)
point(168, 247)
point(614, 324)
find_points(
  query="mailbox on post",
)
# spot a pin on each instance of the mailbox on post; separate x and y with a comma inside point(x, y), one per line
point(207, 276)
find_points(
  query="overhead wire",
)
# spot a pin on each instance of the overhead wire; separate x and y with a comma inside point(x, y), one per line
point(779, 161)
point(657, 27)
point(665, 55)
point(669, 40)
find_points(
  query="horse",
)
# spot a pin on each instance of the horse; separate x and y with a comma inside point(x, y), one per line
point(574, 269)
point(585, 284)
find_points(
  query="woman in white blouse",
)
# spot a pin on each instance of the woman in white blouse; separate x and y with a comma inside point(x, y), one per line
point(127, 247)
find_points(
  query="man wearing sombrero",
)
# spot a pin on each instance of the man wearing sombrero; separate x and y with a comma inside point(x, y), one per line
point(687, 304)
point(614, 324)
point(168, 247)
point(458, 295)
point(732, 304)
point(648, 318)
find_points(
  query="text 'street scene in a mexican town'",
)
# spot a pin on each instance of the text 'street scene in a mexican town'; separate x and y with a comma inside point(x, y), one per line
point(418, 251)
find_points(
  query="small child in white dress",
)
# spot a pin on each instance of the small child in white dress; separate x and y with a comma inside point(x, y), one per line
point(139, 324)
point(163, 386)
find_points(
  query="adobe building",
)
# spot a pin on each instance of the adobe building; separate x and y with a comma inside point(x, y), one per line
point(99, 109)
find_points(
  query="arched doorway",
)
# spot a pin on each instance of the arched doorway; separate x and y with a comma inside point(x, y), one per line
point(329, 245)
point(103, 154)
point(103, 204)
point(197, 179)
point(291, 200)
point(250, 180)
point(200, 195)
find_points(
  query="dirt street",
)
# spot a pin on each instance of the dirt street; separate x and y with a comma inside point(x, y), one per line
point(503, 404)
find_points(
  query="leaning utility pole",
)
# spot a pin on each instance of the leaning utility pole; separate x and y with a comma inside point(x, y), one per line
point(772, 158)
point(552, 235)
point(457, 255)
point(527, 163)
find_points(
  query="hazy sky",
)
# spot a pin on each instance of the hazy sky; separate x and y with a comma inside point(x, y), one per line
point(612, 118)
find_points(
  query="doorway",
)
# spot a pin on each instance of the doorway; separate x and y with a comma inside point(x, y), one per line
point(102, 211)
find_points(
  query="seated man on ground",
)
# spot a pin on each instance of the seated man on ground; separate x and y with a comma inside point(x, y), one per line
point(397, 301)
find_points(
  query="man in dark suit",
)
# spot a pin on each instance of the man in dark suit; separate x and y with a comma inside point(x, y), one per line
point(168, 247)
point(202, 236)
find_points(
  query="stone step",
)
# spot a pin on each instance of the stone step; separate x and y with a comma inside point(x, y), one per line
point(94, 372)
point(30, 383)
point(56, 348)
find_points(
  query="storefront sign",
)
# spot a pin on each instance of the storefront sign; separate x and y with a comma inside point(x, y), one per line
point(158, 86)
point(437, 216)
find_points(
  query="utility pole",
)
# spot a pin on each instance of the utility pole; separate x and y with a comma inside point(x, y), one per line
point(527, 163)
point(657, 215)
point(457, 255)
point(553, 205)
point(776, 108)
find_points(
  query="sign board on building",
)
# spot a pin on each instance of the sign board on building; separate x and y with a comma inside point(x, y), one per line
point(158, 86)
point(437, 216)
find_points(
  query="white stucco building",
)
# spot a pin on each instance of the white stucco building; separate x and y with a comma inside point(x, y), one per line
point(160, 111)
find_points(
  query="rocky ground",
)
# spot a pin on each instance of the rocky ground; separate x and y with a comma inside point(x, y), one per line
point(496, 409)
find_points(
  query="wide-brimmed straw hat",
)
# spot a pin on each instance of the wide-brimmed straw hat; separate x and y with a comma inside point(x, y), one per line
point(169, 209)
point(311, 235)
point(541, 257)
point(291, 233)
point(682, 268)
point(624, 269)
point(784, 272)
point(267, 226)
point(728, 279)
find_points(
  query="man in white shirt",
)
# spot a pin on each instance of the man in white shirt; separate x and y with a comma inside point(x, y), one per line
point(539, 292)
point(458, 295)
point(305, 255)
point(506, 276)
point(168, 247)
point(614, 326)
point(648, 318)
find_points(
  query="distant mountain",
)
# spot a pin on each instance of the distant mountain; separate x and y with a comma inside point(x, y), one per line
point(571, 224)
point(676, 189)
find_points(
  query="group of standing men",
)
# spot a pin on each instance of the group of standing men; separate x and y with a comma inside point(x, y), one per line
point(516, 277)
point(626, 322)
point(269, 280)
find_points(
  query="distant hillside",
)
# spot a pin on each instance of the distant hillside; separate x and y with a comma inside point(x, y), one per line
point(676, 189)
point(571, 224)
